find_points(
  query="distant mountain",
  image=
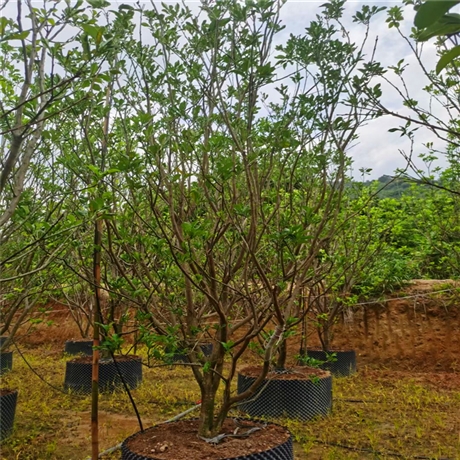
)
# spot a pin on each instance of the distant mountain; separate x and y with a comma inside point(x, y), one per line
point(392, 187)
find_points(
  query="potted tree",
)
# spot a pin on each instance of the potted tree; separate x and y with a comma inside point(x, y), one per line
point(107, 314)
point(351, 261)
point(310, 215)
point(79, 300)
point(193, 233)
point(209, 186)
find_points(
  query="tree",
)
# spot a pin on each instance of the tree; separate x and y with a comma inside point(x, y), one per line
point(232, 183)
point(39, 70)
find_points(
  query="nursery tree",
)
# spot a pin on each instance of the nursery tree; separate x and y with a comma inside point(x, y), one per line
point(363, 259)
point(87, 146)
point(233, 181)
point(40, 60)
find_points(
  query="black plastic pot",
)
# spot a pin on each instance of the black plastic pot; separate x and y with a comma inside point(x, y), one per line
point(6, 357)
point(298, 399)
point(344, 365)
point(78, 375)
point(284, 451)
point(75, 347)
point(206, 348)
point(6, 361)
point(8, 403)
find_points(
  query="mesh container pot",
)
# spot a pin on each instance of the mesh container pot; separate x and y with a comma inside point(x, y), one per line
point(281, 451)
point(78, 374)
point(300, 399)
point(343, 366)
point(75, 347)
point(206, 348)
point(6, 361)
point(8, 400)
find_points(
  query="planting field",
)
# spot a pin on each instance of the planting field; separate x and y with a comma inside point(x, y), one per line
point(391, 408)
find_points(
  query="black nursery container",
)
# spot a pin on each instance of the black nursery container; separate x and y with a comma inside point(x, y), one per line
point(344, 365)
point(300, 399)
point(6, 361)
point(75, 347)
point(78, 375)
point(206, 348)
point(283, 451)
point(8, 401)
point(6, 357)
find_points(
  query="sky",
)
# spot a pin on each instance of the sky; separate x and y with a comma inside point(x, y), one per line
point(377, 148)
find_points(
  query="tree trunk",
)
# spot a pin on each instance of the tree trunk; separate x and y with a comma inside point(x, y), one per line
point(326, 341)
point(96, 341)
point(282, 355)
point(207, 427)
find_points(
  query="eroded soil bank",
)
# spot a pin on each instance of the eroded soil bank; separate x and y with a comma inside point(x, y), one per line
point(416, 329)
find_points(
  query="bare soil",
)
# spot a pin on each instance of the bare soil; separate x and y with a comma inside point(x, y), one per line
point(5, 391)
point(79, 340)
point(179, 441)
point(414, 330)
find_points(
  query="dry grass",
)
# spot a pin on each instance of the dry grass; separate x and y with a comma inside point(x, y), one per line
point(377, 414)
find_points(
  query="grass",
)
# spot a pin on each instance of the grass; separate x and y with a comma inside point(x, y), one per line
point(376, 414)
point(384, 418)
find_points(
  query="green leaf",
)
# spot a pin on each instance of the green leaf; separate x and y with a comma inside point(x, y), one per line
point(16, 36)
point(99, 35)
point(97, 172)
point(3, 23)
point(92, 31)
point(447, 58)
point(98, 3)
point(228, 345)
point(451, 18)
point(96, 204)
point(437, 29)
point(111, 171)
point(86, 47)
point(431, 11)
